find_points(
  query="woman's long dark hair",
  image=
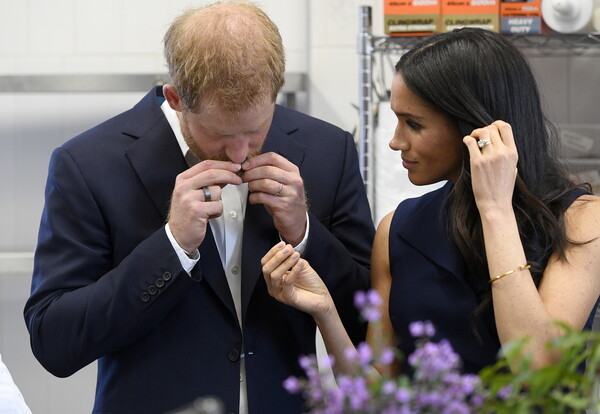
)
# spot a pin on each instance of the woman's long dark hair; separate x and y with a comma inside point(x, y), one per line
point(476, 77)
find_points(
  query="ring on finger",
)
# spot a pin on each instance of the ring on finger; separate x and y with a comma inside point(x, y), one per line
point(276, 193)
point(207, 194)
point(483, 143)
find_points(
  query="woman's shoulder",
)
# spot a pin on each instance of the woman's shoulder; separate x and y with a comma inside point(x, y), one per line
point(582, 218)
point(384, 225)
point(585, 203)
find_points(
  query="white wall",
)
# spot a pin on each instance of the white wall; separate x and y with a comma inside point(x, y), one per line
point(112, 36)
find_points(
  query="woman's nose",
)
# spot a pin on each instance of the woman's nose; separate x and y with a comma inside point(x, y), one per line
point(397, 143)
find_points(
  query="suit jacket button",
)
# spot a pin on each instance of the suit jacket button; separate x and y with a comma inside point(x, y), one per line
point(152, 290)
point(145, 297)
point(166, 276)
point(233, 355)
point(160, 282)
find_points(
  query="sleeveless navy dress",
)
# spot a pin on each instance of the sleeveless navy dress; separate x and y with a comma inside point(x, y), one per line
point(429, 283)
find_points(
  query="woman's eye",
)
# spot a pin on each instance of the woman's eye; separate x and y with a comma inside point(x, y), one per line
point(413, 124)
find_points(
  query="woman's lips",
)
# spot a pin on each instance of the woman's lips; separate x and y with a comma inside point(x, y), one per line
point(408, 164)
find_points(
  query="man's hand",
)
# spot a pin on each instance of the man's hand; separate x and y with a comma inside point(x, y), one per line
point(190, 211)
point(276, 183)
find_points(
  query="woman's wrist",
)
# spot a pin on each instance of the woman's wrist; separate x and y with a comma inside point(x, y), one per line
point(496, 214)
point(326, 314)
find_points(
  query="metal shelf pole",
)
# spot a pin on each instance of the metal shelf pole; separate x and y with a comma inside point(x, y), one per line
point(365, 106)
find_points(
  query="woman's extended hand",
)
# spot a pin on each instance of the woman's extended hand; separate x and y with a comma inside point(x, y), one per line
point(291, 280)
point(493, 165)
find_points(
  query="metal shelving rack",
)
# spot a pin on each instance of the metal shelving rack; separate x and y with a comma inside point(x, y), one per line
point(368, 45)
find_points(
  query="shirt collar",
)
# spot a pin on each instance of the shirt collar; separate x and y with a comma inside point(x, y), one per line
point(173, 120)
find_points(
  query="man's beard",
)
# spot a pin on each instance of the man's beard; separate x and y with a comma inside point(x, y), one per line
point(197, 151)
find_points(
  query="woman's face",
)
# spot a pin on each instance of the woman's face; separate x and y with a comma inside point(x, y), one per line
point(431, 145)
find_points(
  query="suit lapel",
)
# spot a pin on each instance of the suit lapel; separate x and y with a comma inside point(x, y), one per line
point(424, 228)
point(157, 159)
point(155, 155)
point(260, 233)
point(212, 270)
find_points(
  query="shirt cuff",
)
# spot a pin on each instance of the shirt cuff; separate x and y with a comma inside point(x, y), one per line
point(300, 247)
point(187, 261)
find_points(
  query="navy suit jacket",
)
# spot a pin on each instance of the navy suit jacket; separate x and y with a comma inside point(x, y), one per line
point(108, 286)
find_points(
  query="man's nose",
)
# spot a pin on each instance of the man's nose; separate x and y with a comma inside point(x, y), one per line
point(237, 149)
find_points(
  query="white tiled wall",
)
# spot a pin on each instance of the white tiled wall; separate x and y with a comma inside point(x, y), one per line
point(333, 58)
point(113, 36)
point(124, 36)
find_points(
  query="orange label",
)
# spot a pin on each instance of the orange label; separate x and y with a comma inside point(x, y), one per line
point(532, 8)
point(484, 14)
point(470, 6)
point(521, 17)
point(411, 7)
point(411, 17)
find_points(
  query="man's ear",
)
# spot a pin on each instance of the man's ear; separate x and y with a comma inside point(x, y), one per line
point(172, 97)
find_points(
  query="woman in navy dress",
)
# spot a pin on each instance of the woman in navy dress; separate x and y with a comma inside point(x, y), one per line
point(506, 248)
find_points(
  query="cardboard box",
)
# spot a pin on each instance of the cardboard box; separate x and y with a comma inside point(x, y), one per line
point(521, 17)
point(484, 14)
point(411, 17)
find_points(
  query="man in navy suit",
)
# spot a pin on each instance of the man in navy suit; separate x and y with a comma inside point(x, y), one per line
point(155, 221)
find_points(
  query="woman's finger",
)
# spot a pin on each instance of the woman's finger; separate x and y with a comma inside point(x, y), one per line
point(471, 143)
point(279, 263)
point(290, 277)
point(269, 255)
point(506, 134)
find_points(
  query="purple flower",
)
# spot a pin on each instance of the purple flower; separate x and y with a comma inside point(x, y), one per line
point(373, 298)
point(505, 392)
point(431, 399)
point(370, 314)
point(387, 356)
point(335, 401)
point(477, 400)
point(292, 385)
point(365, 355)
point(354, 390)
point(305, 362)
point(351, 354)
point(436, 386)
point(315, 394)
point(456, 407)
point(368, 303)
point(402, 395)
point(360, 299)
point(469, 383)
point(389, 387)
point(327, 361)
point(422, 329)
point(360, 395)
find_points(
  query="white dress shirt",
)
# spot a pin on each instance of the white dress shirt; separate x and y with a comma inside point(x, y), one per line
point(11, 400)
point(227, 231)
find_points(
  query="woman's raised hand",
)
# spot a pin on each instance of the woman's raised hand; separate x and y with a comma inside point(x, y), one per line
point(493, 158)
point(291, 280)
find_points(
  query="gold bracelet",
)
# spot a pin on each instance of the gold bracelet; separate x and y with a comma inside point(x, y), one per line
point(510, 272)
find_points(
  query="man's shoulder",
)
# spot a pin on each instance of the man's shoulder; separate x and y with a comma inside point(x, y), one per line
point(289, 120)
point(119, 129)
point(100, 134)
